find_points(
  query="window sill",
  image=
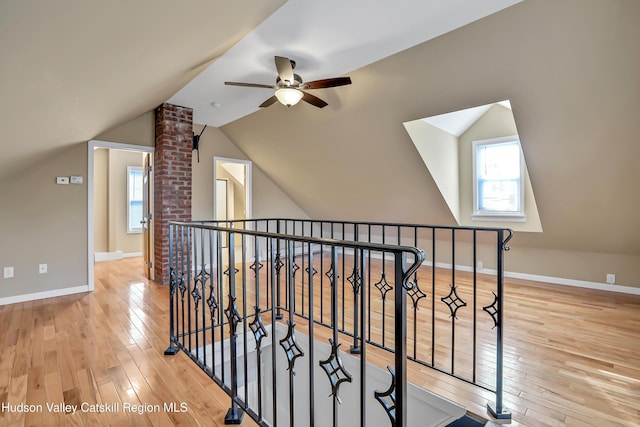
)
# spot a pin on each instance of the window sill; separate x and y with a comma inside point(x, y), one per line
point(499, 217)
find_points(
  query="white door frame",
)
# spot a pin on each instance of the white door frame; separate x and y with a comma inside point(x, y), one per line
point(92, 145)
point(248, 188)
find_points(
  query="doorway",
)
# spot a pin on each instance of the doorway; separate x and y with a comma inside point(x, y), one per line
point(232, 189)
point(232, 194)
point(120, 204)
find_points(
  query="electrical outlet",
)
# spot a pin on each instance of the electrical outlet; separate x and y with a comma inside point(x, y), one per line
point(611, 279)
point(480, 265)
point(8, 272)
point(42, 268)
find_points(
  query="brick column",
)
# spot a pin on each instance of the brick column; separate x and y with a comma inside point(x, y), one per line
point(172, 179)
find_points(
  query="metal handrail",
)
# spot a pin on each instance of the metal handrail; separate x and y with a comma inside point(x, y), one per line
point(281, 239)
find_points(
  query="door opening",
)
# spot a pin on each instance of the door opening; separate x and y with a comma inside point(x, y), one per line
point(232, 189)
point(232, 193)
point(120, 204)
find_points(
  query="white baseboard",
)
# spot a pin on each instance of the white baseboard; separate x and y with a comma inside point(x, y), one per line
point(535, 277)
point(108, 256)
point(42, 295)
point(114, 256)
point(572, 282)
point(131, 254)
point(547, 279)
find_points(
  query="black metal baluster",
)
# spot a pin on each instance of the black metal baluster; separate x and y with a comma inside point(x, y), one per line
point(368, 282)
point(274, 372)
point(173, 306)
point(383, 288)
point(234, 414)
point(286, 284)
point(363, 354)
point(303, 258)
point(321, 276)
point(212, 301)
point(243, 246)
point(203, 284)
point(400, 341)
point(475, 298)
point(433, 296)
point(278, 266)
point(195, 293)
point(343, 250)
point(220, 297)
point(182, 285)
point(189, 284)
point(356, 282)
point(453, 286)
point(498, 411)
point(312, 376)
point(415, 301)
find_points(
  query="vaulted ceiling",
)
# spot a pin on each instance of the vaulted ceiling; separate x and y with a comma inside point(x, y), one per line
point(72, 69)
point(325, 39)
point(570, 70)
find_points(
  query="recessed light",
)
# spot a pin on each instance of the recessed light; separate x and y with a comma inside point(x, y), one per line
point(216, 105)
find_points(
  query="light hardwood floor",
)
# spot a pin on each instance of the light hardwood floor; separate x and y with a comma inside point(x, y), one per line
point(572, 358)
point(105, 348)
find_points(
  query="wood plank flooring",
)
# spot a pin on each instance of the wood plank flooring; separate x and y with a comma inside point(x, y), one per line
point(572, 358)
point(101, 352)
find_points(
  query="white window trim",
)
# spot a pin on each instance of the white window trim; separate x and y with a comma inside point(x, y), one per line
point(137, 230)
point(498, 216)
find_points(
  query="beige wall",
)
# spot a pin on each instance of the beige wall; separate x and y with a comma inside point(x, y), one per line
point(268, 199)
point(138, 131)
point(41, 222)
point(45, 223)
point(570, 69)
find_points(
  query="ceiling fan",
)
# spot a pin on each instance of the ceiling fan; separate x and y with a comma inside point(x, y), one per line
point(290, 87)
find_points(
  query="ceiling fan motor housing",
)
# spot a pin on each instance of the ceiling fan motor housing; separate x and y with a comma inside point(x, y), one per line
point(297, 81)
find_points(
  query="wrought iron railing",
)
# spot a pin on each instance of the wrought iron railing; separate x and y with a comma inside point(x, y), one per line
point(284, 281)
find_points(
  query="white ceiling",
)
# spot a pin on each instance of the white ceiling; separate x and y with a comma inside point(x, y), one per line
point(457, 122)
point(326, 39)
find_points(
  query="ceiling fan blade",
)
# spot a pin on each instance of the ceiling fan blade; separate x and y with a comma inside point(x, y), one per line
point(313, 100)
point(325, 83)
point(285, 70)
point(250, 85)
point(268, 102)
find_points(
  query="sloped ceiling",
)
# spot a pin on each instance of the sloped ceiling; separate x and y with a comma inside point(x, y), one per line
point(326, 38)
point(571, 72)
point(71, 69)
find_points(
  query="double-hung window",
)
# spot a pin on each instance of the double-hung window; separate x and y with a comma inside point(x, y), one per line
point(498, 175)
point(134, 199)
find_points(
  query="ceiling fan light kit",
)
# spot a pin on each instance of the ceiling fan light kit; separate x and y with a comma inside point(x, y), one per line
point(289, 86)
point(289, 96)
